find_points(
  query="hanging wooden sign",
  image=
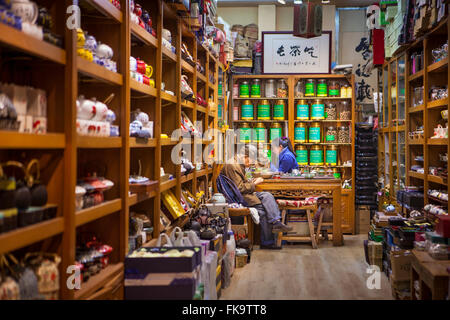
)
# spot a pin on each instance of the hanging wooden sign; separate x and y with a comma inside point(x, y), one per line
point(283, 53)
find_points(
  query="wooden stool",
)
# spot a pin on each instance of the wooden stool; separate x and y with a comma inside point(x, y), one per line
point(244, 212)
point(310, 212)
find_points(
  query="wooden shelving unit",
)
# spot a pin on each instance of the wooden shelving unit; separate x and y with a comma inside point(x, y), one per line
point(346, 150)
point(63, 154)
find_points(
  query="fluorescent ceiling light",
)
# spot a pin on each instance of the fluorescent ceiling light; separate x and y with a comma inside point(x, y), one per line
point(298, 1)
point(282, 1)
point(325, 1)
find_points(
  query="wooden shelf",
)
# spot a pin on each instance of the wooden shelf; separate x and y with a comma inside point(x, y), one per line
point(107, 8)
point(187, 104)
point(168, 97)
point(96, 282)
point(416, 175)
point(187, 178)
point(88, 142)
point(437, 103)
point(90, 214)
point(169, 54)
point(438, 66)
point(98, 72)
point(416, 76)
point(168, 142)
point(23, 237)
point(437, 142)
point(202, 173)
point(187, 67)
point(16, 140)
point(142, 143)
point(416, 142)
point(437, 179)
point(167, 185)
point(201, 109)
point(143, 35)
point(19, 40)
point(201, 77)
point(143, 88)
point(416, 109)
point(136, 198)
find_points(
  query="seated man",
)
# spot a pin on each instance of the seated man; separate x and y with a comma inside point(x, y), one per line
point(264, 202)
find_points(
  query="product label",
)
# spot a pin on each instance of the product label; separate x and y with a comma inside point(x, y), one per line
point(316, 157)
point(275, 133)
point(318, 111)
point(247, 112)
point(245, 134)
point(244, 91)
point(314, 134)
point(334, 92)
point(331, 157)
point(256, 91)
point(322, 90)
point(264, 112)
point(278, 112)
point(259, 135)
point(330, 138)
point(302, 112)
point(219, 111)
point(302, 157)
point(300, 134)
point(309, 90)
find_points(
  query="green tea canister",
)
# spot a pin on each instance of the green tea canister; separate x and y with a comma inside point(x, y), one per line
point(256, 88)
point(331, 156)
point(245, 133)
point(314, 133)
point(310, 88)
point(300, 133)
point(259, 133)
point(220, 90)
point(322, 88)
point(244, 90)
point(301, 155)
point(264, 110)
point(276, 131)
point(220, 111)
point(302, 110)
point(247, 110)
point(316, 156)
point(278, 110)
point(318, 110)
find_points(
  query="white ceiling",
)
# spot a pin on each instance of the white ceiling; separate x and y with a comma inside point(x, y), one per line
point(338, 3)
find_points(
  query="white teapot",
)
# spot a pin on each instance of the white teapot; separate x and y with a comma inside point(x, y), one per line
point(101, 111)
point(26, 9)
point(104, 51)
point(86, 109)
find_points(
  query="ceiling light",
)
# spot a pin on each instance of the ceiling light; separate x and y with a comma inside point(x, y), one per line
point(298, 1)
point(325, 1)
point(282, 1)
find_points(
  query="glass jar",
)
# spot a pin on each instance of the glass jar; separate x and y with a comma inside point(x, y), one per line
point(314, 133)
point(418, 96)
point(282, 89)
point(318, 110)
point(276, 131)
point(302, 110)
point(310, 88)
point(247, 110)
point(334, 89)
point(349, 92)
point(300, 133)
point(299, 89)
point(279, 110)
point(244, 90)
point(331, 156)
point(344, 91)
point(259, 133)
point(301, 153)
point(316, 156)
point(330, 111)
point(322, 88)
point(331, 134)
point(245, 133)
point(345, 113)
point(270, 88)
point(344, 134)
point(256, 88)
point(264, 110)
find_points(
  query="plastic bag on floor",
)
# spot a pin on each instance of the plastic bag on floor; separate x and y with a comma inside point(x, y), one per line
point(209, 268)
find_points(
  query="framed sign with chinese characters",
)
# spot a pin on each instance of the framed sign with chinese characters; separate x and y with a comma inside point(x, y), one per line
point(283, 53)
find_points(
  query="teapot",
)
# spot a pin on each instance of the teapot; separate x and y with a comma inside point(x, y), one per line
point(218, 198)
point(26, 9)
point(86, 109)
point(104, 51)
point(90, 44)
point(101, 111)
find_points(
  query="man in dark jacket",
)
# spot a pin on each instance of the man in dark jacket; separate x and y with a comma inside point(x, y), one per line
point(264, 202)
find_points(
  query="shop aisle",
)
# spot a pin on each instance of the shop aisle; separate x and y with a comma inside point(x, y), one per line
point(299, 272)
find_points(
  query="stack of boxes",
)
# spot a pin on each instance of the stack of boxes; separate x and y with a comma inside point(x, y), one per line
point(394, 18)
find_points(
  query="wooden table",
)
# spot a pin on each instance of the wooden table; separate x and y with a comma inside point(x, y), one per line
point(329, 188)
point(432, 275)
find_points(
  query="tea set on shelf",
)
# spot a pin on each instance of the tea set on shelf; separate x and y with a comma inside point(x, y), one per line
point(89, 49)
point(90, 189)
point(28, 17)
point(141, 17)
point(141, 126)
point(417, 134)
point(141, 72)
point(95, 119)
point(440, 132)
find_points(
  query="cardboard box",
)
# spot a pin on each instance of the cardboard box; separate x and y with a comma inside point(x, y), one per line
point(401, 265)
point(363, 220)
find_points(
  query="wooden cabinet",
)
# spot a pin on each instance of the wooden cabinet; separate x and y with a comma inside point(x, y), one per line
point(348, 213)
